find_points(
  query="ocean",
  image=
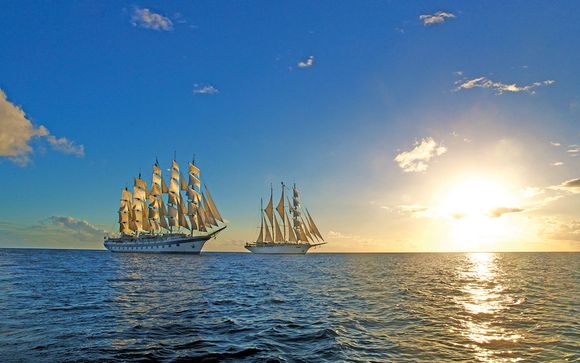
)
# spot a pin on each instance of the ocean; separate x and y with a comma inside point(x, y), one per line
point(70, 305)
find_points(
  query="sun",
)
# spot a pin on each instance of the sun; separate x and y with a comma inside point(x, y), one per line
point(474, 197)
point(467, 207)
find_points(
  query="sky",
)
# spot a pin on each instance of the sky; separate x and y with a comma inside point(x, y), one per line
point(408, 126)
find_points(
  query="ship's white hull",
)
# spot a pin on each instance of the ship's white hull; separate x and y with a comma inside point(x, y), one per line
point(161, 244)
point(280, 248)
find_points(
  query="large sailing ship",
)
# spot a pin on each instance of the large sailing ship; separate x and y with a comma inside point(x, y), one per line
point(183, 223)
point(297, 234)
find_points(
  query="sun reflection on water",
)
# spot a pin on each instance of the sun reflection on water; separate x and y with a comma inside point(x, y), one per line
point(484, 300)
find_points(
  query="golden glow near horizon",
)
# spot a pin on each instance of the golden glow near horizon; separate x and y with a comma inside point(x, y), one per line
point(474, 207)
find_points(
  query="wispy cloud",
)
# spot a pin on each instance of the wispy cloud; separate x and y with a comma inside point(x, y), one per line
point(16, 132)
point(573, 150)
point(553, 143)
point(408, 210)
point(334, 236)
point(499, 87)
point(557, 163)
point(417, 160)
point(204, 89)
point(66, 146)
point(147, 19)
point(498, 212)
point(456, 134)
point(307, 63)
point(437, 18)
point(572, 185)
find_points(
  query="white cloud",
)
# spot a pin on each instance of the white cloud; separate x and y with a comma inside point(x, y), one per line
point(147, 19)
point(76, 226)
point(554, 143)
point(572, 185)
point(417, 159)
point(16, 132)
point(437, 18)
point(499, 87)
point(557, 163)
point(309, 62)
point(573, 150)
point(558, 230)
point(204, 89)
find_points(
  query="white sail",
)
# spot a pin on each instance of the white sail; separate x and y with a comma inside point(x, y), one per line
point(212, 206)
point(280, 206)
point(155, 190)
point(278, 236)
point(164, 188)
point(291, 233)
point(163, 222)
point(140, 183)
point(194, 181)
point(145, 219)
point(193, 195)
point(261, 235)
point(269, 210)
point(281, 212)
point(139, 194)
point(201, 218)
point(191, 208)
point(193, 222)
point(172, 216)
point(174, 186)
point(268, 237)
point(313, 225)
point(209, 215)
point(183, 183)
point(183, 221)
point(305, 230)
point(126, 195)
point(193, 169)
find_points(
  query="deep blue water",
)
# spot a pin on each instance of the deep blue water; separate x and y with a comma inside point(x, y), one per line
point(60, 305)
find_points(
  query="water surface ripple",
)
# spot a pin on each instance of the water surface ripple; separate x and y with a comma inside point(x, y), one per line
point(97, 306)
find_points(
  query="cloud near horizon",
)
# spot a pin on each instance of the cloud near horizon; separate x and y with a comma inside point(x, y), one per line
point(437, 18)
point(417, 159)
point(499, 87)
point(76, 226)
point(16, 132)
point(145, 18)
point(558, 230)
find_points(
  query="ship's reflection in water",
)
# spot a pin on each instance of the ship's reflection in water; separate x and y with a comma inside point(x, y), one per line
point(484, 298)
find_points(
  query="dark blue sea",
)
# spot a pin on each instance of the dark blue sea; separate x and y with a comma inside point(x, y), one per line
point(65, 305)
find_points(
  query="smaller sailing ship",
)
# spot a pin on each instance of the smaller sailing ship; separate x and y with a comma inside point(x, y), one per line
point(183, 222)
point(297, 234)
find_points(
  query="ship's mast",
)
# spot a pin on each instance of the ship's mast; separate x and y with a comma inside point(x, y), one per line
point(296, 210)
point(273, 215)
point(282, 215)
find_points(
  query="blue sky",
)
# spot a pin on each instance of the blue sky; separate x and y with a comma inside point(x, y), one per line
point(123, 79)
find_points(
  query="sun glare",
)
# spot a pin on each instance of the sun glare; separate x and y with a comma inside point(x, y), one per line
point(469, 207)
